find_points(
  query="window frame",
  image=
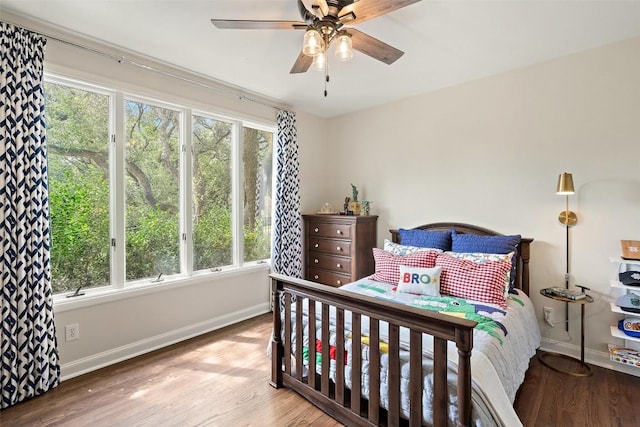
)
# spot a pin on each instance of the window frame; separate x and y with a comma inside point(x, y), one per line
point(118, 287)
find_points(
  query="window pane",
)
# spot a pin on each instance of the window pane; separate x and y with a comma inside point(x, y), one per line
point(257, 162)
point(212, 229)
point(78, 163)
point(152, 190)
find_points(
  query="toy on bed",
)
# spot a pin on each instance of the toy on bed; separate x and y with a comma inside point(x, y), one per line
point(438, 292)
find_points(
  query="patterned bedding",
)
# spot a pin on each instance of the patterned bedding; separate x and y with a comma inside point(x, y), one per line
point(504, 342)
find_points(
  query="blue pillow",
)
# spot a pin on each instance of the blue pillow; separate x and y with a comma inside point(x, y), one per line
point(426, 239)
point(488, 245)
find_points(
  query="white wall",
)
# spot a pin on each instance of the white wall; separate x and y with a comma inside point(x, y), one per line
point(315, 161)
point(112, 330)
point(489, 152)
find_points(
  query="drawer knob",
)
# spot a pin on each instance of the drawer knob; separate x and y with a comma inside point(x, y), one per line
point(339, 282)
point(317, 245)
point(339, 265)
point(316, 277)
point(338, 248)
point(316, 260)
point(316, 229)
point(339, 231)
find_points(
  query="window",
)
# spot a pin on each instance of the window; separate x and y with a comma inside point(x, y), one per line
point(212, 196)
point(78, 163)
point(152, 165)
point(192, 192)
point(257, 153)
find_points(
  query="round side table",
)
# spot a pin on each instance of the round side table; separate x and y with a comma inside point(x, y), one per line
point(546, 356)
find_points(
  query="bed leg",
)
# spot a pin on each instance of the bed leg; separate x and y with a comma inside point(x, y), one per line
point(276, 364)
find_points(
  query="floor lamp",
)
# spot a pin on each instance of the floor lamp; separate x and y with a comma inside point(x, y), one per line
point(569, 219)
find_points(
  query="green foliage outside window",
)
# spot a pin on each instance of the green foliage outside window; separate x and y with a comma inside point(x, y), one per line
point(79, 171)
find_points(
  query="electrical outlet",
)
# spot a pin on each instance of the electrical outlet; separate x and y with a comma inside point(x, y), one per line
point(72, 332)
point(548, 315)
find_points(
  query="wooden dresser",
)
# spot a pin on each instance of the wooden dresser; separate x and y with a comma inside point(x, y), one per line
point(338, 248)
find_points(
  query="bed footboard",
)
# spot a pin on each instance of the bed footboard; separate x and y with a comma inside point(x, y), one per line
point(348, 405)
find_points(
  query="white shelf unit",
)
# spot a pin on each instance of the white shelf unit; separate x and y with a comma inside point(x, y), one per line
point(620, 260)
point(619, 334)
point(629, 342)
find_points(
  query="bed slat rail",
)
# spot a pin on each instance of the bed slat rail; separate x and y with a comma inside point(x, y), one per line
point(348, 406)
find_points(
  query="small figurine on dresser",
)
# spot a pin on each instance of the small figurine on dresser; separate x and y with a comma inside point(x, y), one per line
point(354, 191)
point(366, 207)
point(346, 205)
point(354, 205)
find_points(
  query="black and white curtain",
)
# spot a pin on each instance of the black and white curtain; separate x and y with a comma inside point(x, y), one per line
point(286, 253)
point(29, 363)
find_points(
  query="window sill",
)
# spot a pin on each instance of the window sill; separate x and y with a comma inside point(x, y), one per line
point(102, 296)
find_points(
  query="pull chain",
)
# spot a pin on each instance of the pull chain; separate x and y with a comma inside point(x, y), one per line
point(326, 62)
point(326, 73)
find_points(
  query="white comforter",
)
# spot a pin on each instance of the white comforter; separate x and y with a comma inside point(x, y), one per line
point(504, 342)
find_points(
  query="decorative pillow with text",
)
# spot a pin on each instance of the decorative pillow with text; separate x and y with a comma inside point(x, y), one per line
point(419, 280)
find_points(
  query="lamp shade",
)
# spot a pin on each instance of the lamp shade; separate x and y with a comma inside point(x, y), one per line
point(344, 49)
point(565, 184)
point(312, 44)
point(319, 61)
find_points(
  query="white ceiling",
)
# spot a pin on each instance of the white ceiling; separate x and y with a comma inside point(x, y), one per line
point(445, 42)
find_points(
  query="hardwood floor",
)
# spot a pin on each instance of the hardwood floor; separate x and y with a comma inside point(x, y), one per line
point(606, 398)
point(222, 379)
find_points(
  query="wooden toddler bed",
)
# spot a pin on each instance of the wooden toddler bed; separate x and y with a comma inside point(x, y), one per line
point(337, 388)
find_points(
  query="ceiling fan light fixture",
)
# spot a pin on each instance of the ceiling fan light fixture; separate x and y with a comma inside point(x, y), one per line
point(319, 61)
point(344, 48)
point(312, 44)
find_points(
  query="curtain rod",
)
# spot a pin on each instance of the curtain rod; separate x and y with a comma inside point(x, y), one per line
point(122, 59)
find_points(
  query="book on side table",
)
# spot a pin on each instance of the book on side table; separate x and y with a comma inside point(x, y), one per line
point(573, 294)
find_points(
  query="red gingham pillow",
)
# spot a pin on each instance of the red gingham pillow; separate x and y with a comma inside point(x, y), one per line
point(388, 265)
point(470, 280)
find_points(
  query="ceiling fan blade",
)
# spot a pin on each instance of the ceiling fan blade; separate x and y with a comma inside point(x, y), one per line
point(369, 9)
point(309, 6)
point(373, 47)
point(302, 64)
point(307, 12)
point(322, 5)
point(347, 17)
point(246, 24)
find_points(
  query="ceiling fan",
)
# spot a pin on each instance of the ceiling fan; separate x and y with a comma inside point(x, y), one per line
point(324, 21)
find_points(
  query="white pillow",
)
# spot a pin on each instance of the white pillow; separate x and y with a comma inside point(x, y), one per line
point(420, 280)
point(398, 249)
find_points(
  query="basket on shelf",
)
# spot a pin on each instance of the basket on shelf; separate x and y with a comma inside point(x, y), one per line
point(630, 249)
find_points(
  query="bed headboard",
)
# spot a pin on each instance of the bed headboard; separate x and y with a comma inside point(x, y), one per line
point(522, 256)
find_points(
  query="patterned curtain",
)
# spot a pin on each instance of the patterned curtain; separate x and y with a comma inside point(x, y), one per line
point(286, 252)
point(28, 354)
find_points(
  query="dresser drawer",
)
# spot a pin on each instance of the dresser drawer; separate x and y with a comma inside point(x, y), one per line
point(333, 230)
point(328, 277)
point(329, 262)
point(330, 246)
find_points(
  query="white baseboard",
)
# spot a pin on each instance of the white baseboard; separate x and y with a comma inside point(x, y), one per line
point(119, 354)
point(593, 357)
